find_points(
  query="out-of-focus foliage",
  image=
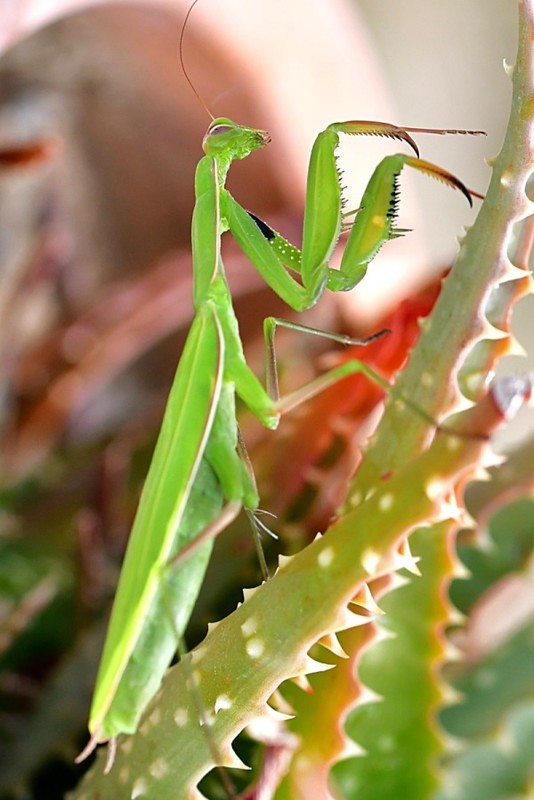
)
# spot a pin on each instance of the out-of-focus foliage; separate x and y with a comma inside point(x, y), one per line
point(95, 297)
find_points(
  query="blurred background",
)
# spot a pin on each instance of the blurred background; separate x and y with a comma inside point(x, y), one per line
point(95, 272)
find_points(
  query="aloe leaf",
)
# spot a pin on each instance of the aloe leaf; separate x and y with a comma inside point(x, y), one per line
point(246, 656)
point(398, 733)
point(496, 769)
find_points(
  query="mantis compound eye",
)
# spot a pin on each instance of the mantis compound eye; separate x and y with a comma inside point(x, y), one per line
point(218, 129)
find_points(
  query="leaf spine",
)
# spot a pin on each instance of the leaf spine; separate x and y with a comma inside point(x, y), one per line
point(365, 599)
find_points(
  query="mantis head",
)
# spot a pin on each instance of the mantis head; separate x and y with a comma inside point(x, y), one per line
point(226, 140)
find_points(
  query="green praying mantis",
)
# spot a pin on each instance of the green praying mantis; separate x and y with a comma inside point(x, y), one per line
point(200, 477)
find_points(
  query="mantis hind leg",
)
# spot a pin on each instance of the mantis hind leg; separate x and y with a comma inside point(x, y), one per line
point(283, 404)
point(228, 457)
point(288, 402)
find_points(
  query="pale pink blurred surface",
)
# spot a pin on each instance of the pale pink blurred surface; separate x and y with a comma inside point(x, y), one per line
point(306, 63)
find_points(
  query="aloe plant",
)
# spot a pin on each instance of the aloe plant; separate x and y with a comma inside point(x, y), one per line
point(383, 718)
point(364, 667)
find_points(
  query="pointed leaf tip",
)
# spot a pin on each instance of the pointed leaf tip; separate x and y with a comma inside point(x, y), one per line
point(365, 599)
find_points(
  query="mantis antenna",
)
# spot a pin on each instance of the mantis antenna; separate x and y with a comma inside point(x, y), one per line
point(182, 61)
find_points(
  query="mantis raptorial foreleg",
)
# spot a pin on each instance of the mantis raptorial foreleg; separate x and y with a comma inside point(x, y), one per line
point(196, 472)
point(325, 218)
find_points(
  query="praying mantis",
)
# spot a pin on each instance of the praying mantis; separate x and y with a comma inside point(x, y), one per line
point(200, 477)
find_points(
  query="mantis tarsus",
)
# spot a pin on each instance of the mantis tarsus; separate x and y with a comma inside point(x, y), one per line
point(197, 480)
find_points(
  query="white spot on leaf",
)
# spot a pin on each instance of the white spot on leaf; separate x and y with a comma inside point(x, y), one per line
point(139, 789)
point(180, 717)
point(400, 405)
point(485, 678)
point(222, 703)
point(370, 560)
point(208, 719)
point(453, 443)
point(159, 768)
point(427, 379)
point(355, 499)
point(325, 557)
point(155, 717)
point(255, 648)
point(248, 627)
point(434, 489)
point(126, 745)
point(506, 179)
point(386, 501)
point(386, 744)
